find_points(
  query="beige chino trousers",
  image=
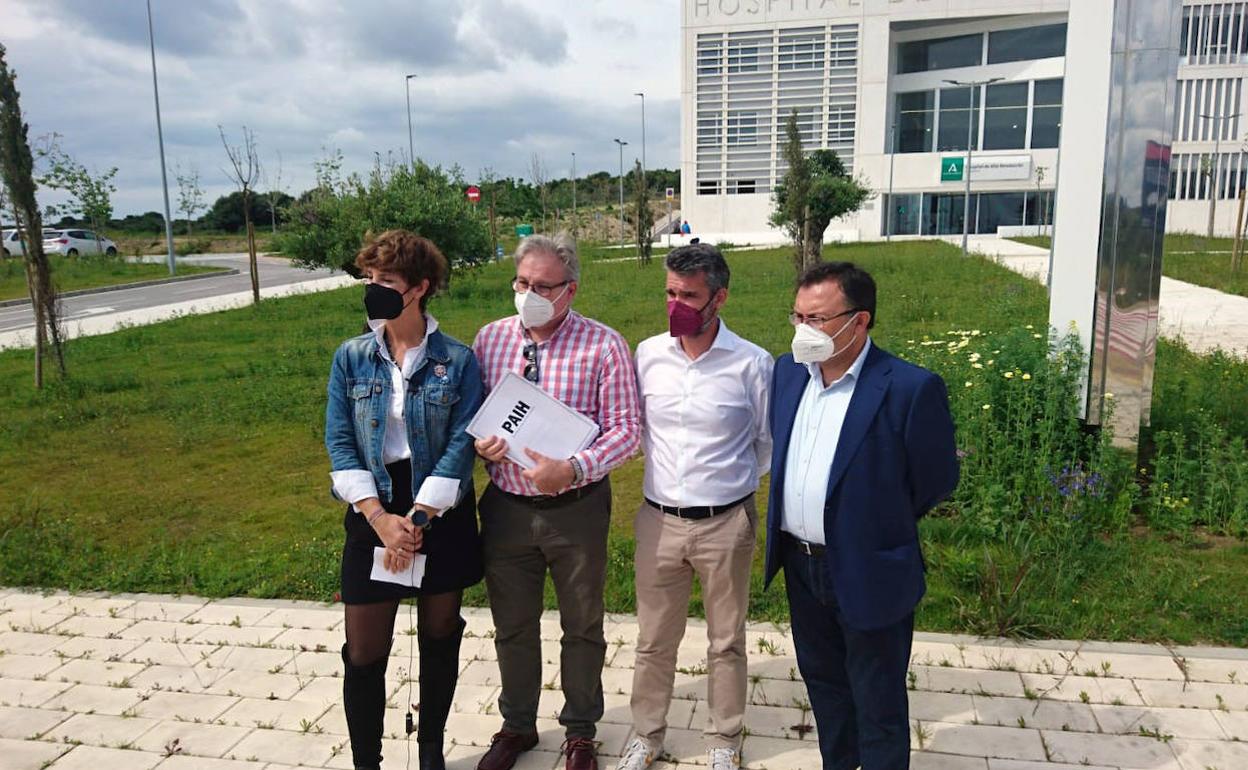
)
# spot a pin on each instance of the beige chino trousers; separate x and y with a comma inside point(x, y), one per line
point(670, 551)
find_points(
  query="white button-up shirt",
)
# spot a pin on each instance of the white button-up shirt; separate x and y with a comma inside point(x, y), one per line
point(704, 420)
point(812, 446)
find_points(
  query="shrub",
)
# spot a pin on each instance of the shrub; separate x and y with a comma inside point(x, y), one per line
point(327, 227)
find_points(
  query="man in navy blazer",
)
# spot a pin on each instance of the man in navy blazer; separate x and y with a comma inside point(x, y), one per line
point(864, 446)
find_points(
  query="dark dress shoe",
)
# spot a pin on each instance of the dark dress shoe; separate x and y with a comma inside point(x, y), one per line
point(505, 748)
point(582, 754)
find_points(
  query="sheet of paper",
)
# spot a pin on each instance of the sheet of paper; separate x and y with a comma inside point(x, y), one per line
point(530, 418)
point(408, 577)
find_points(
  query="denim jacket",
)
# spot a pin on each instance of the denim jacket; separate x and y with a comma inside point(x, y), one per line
point(443, 394)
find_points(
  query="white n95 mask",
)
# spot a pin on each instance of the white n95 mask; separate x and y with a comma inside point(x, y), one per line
point(813, 346)
point(534, 309)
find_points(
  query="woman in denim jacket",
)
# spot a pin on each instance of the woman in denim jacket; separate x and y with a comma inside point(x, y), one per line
point(400, 397)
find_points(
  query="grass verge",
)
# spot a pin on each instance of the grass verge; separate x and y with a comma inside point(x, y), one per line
point(88, 273)
point(1191, 258)
point(187, 456)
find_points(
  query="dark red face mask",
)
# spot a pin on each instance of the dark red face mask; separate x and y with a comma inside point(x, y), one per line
point(684, 321)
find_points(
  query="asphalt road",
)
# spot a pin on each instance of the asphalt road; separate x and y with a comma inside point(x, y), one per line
point(273, 272)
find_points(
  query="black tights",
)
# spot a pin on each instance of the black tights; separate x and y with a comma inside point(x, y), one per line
point(370, 627)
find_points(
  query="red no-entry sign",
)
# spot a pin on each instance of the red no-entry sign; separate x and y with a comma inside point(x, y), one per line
point(474, 193)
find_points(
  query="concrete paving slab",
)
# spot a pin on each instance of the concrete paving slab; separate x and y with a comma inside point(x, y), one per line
point(978, 704)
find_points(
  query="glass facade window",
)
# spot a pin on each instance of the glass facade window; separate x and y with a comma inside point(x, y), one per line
point(742, 128)
point(1005, 117)
point(1046, 114)
point(916, 121)
point(905, 211)
point(957, 115)
point(941, 53)
point(1001, 210)
point(941, 213)
point(1027, 43)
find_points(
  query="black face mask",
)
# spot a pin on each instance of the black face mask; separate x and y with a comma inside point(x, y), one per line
point(382, 302)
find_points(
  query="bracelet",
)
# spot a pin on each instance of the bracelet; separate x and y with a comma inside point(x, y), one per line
point(578, 472)
point(375, 516)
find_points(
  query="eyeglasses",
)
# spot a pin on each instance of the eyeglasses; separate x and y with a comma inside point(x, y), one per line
point(797, 319)
point(543, 290)
point(531, 372)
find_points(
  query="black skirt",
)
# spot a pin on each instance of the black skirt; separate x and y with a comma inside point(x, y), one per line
point(452, 545)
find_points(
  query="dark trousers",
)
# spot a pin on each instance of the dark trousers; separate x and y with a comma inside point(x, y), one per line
point(856, 679)
point(522, 543)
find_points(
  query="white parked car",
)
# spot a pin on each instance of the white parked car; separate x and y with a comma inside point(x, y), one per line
point(71, 243)
point(11, 244)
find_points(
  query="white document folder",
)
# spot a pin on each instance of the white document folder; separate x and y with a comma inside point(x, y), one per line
point(528, 417)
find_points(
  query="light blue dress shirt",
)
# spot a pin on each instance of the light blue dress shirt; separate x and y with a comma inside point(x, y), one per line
point(812, 445)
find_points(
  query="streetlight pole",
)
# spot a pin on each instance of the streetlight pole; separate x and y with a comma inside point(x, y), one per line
point(971, 125)
point(411, 146)
point(160, 139)
point(643, 135)
point(1214, 168)
point(574, 193)
point(621, 143)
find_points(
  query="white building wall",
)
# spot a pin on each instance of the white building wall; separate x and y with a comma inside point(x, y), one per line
point(1217, 66)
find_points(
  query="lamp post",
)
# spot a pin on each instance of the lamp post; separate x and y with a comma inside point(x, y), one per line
point(1214, 168)
point(160, 140)
point(643, 135)
point(971, 125)
point(411, 147)
point(621, 143)
point(574, 193)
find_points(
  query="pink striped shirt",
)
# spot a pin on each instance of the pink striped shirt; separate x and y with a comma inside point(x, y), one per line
point(586, 365)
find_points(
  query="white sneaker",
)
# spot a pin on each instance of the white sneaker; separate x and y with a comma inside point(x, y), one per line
point(724, 759)
point(638, 756)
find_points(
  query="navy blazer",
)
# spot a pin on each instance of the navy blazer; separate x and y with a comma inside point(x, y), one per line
point(895, 460)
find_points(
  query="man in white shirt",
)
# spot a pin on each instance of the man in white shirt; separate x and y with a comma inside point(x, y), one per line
point(704, 394)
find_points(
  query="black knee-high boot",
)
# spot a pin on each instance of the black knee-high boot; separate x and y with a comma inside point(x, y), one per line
point(439, 672)
point(364, 699)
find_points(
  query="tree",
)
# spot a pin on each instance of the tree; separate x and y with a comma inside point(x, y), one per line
point(17, 173)
point(814, 191)
point(90, 195)
point(327, 226)
point(245, 171)
point(537, 172)
point(190, 194)
point(640, 214)
point(273, 198)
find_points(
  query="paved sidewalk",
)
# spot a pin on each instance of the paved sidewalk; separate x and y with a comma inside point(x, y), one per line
point(1203, 318)
point(143, 681)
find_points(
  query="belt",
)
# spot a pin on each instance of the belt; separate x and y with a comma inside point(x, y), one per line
point(696, 511)
point(554, 501)
point(810, 549)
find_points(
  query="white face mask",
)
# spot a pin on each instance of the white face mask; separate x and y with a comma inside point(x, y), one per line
point(813, 346)
point(534, 309)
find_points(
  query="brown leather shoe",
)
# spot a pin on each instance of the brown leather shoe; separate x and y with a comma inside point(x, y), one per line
point(505, 748)
point(582, 754)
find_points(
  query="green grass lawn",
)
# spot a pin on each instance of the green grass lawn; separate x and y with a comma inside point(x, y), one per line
point(1192, 258)
point(87, 273)
point(187, 456)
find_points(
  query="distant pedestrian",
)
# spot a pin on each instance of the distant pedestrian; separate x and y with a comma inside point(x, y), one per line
point(685, 228)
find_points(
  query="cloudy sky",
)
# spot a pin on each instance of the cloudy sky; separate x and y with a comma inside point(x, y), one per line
point(498, 80)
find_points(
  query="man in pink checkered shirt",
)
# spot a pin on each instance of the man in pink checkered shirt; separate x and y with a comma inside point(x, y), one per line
point(555, 516)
